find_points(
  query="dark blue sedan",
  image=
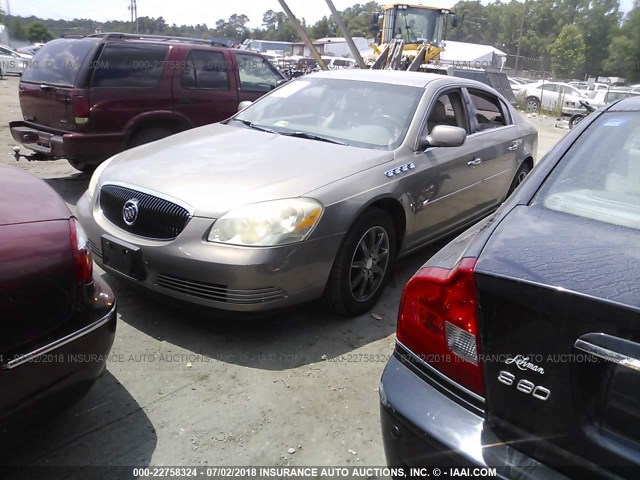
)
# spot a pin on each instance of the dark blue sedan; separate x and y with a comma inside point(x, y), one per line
point(518, 344)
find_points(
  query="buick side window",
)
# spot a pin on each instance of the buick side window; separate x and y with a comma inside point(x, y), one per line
point(488, 111)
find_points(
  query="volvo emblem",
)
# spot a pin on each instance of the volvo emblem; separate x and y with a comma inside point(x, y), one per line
point(130, 211)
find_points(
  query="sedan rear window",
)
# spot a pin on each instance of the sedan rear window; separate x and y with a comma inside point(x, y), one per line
point(599, 177)
point(58, 62)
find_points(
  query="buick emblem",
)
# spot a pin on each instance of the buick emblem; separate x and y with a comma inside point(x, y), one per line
point(130, 211)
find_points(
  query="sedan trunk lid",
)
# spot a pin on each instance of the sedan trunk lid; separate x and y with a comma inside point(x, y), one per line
point(37, 276)
point(547, 280)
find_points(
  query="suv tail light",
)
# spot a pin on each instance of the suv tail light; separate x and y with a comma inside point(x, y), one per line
point(82, 261)
point(438, 321)
point(80, 105)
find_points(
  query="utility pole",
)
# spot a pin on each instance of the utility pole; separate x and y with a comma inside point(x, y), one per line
point(133, 8)
point(517, 65)
point(345, 33)
point(303, 34)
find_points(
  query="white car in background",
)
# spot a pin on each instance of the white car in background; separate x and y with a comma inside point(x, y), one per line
point(334, 63)
point(604, 97)
point(12, 61)
point(552, 96)
point(516, 84)
point(30, 49)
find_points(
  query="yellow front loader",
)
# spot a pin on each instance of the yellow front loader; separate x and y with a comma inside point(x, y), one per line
point(411, 36)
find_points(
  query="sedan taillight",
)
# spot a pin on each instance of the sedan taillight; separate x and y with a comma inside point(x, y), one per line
point(438, 322)
point(82, 261)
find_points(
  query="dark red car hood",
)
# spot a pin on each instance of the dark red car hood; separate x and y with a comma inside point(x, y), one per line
point(25, 198)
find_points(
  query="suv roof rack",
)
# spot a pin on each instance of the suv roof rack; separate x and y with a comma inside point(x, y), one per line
point(166, 38)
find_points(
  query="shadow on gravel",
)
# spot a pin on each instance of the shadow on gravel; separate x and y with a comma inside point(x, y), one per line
point(70, 188)
point(286, 340)
point(105, 427)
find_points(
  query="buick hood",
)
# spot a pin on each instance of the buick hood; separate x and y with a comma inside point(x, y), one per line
point(217, 167)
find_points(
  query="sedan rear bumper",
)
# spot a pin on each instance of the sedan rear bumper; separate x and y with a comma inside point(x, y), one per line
point(422, 427)
point(64, 365)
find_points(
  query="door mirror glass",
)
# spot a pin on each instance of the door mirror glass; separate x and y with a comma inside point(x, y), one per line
point(444, 136)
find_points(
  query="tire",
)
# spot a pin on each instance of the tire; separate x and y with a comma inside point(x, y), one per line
point(358, 276)
point(84, 167)
point(148, 135)
point(518, 178)
point(575, 119)
point(533, 104)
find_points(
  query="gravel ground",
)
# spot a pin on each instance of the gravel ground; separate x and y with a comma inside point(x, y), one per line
point(186, 388)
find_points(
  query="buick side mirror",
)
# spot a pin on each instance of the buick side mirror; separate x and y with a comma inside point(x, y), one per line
point(443, 136)
point(244, 104)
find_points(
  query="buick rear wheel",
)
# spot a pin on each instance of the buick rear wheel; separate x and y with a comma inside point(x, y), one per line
point(519, 177)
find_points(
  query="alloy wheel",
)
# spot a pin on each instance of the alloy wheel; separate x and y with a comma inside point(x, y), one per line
point(369, 263)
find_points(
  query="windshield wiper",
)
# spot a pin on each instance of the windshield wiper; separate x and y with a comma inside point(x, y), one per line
point(313, 136)
point(254, 126)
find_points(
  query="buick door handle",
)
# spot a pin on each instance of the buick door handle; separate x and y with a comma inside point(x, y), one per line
point(513, 147)
point(614, 349)
point(474, 162)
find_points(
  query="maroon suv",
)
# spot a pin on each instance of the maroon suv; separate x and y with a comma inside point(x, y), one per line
point(88, 98)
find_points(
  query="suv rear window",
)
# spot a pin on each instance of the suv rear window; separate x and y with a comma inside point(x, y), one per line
point(131, 66)
point(58, 62)
point(205, 69)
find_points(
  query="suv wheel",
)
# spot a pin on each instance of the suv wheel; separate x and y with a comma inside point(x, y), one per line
point(84, 167)
point(148, 135)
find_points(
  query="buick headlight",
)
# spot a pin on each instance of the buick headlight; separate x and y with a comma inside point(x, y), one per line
point(93, 183)
point(271, 223)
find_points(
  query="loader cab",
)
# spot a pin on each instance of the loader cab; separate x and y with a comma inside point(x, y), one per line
point(414, 24)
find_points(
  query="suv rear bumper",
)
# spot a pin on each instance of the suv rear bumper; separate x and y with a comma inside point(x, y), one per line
point(81, 147)
point(422, 427)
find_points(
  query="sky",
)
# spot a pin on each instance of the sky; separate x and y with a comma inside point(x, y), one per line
point(189, 12)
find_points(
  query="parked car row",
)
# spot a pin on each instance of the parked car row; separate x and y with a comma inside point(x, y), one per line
point(553, 96)
point(517, 344)
point(367, 182)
